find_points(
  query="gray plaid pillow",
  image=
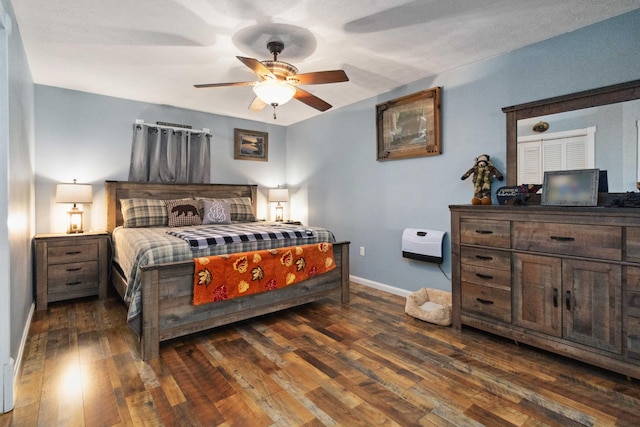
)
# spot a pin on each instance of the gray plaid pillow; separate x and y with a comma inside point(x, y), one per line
point(143, 213)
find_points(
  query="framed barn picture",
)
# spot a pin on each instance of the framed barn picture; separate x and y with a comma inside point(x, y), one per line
point(250, 145)
point(409, 126)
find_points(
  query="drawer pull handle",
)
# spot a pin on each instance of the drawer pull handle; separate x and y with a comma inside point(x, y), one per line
point(484, 231)
point(484, 301)
point(555, 297)
point(74, 283)
point(484, 257)
point(74, 269)
point(562, 238)
point(73, 253)
point(484, 276)
point(567, 299)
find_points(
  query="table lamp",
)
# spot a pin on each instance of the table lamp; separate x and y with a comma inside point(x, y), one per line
point(278, 195)
point(74, 193)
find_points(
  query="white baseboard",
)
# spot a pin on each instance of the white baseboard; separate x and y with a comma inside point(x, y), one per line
point(11, 371)
point(380, 286)
point(23, 343)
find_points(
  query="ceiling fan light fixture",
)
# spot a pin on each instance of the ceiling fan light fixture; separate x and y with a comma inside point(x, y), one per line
point(274, 92)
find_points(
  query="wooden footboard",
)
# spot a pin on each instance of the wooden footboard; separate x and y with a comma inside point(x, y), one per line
point(167, 311)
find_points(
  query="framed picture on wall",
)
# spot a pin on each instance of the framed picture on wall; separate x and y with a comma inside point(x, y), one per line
point(571, 188)
point(250, 145)
point(409, 126)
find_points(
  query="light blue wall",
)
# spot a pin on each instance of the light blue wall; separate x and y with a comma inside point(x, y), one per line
point(87, 137)
point(16, 192)
point(331, 159)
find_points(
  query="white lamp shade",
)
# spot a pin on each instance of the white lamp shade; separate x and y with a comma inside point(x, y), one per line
point(74, 193)
point(279, 195)
point(274, 92)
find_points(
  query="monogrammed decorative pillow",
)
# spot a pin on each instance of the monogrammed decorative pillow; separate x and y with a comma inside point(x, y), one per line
point(216, 212)
point(241, 208)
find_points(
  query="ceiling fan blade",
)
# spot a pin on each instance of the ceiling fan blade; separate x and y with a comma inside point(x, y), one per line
point(223, 84)
point(311, 100)
point(257, 104)
point(320, 77)
point(257, 67)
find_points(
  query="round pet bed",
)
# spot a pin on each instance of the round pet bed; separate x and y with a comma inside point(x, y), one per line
point(430, 305)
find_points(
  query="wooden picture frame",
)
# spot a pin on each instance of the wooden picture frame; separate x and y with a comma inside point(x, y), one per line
point(250, 145)
point(409, 126)
point(571, 188)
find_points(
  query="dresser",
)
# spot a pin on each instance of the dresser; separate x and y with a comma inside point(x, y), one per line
point(70, 266)
point(566, 280)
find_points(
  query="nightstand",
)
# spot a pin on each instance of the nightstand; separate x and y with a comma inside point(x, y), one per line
point(70, 266)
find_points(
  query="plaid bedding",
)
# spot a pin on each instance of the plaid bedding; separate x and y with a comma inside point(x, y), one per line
point(134, 248)
point(203, 237)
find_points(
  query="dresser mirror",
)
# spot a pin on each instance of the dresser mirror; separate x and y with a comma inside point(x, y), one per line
point(610, 115)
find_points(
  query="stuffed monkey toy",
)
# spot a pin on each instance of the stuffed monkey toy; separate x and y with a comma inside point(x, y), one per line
point(483, 172)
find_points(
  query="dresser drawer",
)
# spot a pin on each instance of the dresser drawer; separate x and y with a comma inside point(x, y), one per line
point(72, 253)
point(485, 258)
point(593, 241)
point(485, 232)
point(633, 244)
point(633, 291)
point(633, 337)
point(488, 276)
point(486, 301)
point(72, 277)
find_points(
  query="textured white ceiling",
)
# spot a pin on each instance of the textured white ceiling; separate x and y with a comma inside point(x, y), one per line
point(155, 50)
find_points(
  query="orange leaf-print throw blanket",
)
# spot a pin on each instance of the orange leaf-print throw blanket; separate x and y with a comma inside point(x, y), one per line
point(223, 277)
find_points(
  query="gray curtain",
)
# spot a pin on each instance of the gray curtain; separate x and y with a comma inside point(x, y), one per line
point(168, 155)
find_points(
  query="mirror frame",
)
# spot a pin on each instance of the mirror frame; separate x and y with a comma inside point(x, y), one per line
point(590, 98)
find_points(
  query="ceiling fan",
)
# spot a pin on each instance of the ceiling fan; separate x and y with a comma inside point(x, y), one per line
point(279, 82)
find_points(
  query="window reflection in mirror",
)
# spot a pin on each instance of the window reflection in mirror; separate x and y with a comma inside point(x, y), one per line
point(615, 132)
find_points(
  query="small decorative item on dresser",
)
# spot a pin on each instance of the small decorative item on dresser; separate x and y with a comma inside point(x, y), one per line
point(74, 193)
point(70, 266)
point(516, 194)
point(483, 172)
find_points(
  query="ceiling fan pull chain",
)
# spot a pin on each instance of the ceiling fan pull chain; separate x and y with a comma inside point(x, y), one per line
point(274, 105)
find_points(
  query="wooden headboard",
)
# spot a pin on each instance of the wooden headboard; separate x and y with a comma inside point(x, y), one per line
point(117, 190)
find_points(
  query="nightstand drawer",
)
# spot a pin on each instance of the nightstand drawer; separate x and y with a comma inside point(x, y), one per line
point(76, 276)
point(75, 253)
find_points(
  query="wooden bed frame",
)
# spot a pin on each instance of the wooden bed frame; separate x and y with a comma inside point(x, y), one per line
point(167, 311)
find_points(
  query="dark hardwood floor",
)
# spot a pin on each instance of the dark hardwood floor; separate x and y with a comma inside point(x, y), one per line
point(366, 363)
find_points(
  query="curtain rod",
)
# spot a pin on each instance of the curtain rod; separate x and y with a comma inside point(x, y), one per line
point(141, 122)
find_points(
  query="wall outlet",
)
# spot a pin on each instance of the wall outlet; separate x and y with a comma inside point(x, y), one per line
point(361, 250)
